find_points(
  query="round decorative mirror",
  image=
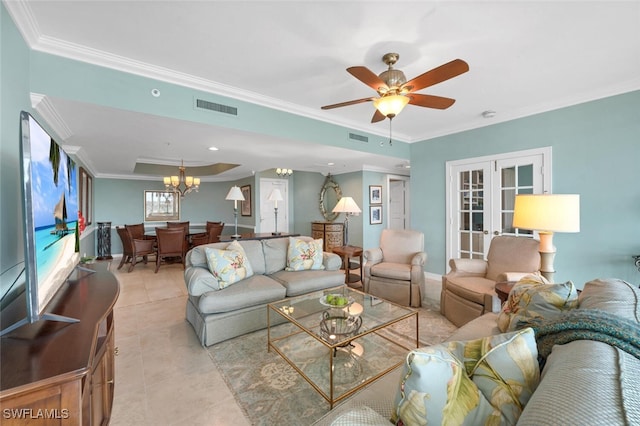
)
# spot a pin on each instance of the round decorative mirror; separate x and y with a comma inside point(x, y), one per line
point(329, 196)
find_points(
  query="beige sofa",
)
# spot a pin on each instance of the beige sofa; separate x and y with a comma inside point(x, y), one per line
point(583, 382)
point(240, 308)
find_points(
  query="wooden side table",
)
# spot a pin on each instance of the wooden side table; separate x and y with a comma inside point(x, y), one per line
point(347, 252)
point(503, 288)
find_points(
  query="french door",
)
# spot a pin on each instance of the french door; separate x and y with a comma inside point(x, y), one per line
point(481, 195)
point(267, 208)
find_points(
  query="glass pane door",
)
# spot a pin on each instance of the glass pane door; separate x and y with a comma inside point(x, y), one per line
point(470, 216)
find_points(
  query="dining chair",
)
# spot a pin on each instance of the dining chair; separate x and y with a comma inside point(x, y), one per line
point(133, 248)
point(171, 244)
point(214, 229)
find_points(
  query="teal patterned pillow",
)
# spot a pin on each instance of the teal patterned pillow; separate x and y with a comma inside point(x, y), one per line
point(228, 266)
point(303, 255)
point(532, 297)
point(483, 381)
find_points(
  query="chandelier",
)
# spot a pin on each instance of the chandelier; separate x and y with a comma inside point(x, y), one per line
point(181, 184)
point(284, 172)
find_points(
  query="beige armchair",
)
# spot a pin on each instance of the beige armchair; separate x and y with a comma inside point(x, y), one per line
point(468, 290)
point(395, 270)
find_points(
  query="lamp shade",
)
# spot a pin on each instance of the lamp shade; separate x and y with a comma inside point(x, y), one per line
point(235, 194)
point(547, 212)
point(391, 105)
point(275, 195)
point(346, 205)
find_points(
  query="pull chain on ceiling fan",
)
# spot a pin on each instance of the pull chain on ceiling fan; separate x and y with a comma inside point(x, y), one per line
point(395, 92)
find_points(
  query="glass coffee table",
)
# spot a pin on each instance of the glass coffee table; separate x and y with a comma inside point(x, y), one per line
point(340, 349)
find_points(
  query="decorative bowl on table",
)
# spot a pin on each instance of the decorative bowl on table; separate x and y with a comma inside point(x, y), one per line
point(333, 300)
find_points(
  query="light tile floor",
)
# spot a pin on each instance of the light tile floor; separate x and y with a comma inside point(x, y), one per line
point(163, 375)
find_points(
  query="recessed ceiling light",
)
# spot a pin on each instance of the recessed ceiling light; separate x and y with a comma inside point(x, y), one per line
point(155, 92)
point(331, 164)
point(488, 114)
point(213, 148)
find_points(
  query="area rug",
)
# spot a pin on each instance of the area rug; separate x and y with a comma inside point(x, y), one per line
point(272, 393)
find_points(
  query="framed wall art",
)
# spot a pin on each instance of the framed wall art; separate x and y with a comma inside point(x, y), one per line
point(245, 206)
point(85, 199)
point(161, 206)
point(375, 215)
point(375, 194)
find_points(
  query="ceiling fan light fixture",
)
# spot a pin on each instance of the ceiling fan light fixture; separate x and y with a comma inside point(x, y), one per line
point(391, 105)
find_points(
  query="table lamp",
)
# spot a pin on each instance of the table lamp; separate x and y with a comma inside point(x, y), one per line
point(347, 206)
point(547, 213)
point(235, 194)
point(275, 196)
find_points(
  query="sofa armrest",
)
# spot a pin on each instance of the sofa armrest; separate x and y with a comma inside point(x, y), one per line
point(468, 267)
point(419, 259)
point(373, 256)
point(331, 261)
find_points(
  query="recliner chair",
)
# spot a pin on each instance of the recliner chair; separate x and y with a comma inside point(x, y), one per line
point(395, 270)
point(468, 290)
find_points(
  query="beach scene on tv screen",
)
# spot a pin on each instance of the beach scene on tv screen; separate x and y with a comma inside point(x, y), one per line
point(55, 212)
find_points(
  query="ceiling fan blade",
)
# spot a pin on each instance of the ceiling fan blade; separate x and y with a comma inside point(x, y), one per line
point(342, 104)
point(367, 76)
point(437, 75)
point(377, 116)
point(430, 101)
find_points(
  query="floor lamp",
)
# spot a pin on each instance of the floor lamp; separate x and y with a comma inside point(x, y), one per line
point(235, 194)
point(276, 196)
point(347, 206)
point(547, 213)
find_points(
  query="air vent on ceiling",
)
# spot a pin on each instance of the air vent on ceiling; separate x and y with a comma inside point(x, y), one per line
point(212, 106)
point(357, 137)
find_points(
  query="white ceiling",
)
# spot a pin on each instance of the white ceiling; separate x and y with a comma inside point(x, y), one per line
point(524, 58)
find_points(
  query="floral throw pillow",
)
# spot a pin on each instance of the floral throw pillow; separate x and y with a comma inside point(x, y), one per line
point(533, 297)
point(228, 266)
point(303, 255)
point(483, 381)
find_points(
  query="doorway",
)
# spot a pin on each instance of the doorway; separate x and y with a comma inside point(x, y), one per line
point(481, 194)
point(398, 202)
point(267, 223)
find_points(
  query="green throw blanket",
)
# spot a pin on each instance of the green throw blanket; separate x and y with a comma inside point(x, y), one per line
point(586, 324)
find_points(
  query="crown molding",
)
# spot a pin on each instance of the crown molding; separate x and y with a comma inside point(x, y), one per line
point(45, 108)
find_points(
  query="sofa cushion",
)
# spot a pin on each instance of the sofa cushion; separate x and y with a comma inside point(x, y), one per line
point(532, 297)
point(252, 248)
point(253, 291)
point(394, 271)
point(302, 282)
point(228, 266)
point(361, 416)
point(275, 254)
point(304, 255)
point(471, 288)
point(612, 295)
point(483, 381)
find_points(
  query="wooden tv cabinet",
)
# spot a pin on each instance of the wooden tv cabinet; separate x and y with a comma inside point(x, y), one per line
point(56, 373)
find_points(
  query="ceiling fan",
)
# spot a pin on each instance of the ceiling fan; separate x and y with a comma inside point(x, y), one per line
point(396, 92)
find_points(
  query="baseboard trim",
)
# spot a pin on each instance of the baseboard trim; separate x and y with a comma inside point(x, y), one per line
point(432, 276)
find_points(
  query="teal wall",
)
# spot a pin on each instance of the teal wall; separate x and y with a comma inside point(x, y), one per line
point(14, 97)
point(596, 153)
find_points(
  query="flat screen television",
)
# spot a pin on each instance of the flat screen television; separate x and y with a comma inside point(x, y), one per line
point(50, 213)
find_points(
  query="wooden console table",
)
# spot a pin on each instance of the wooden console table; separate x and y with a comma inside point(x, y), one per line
point(64, 371)
point(254, 236)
